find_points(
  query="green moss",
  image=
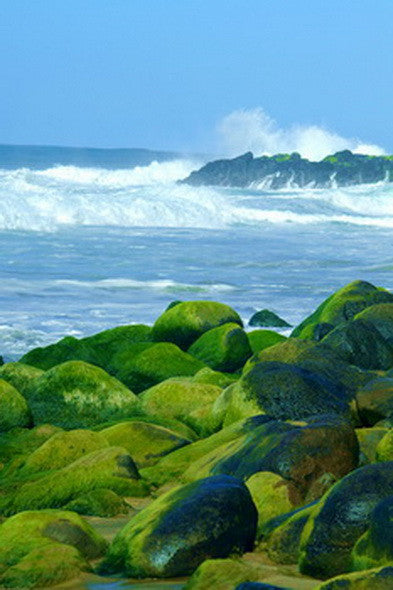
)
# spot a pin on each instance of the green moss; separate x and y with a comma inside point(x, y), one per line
point(155, 364)
point(67, 349)
point(283, 543)
point(223, 574)
point(14, 410)
point(211, 377)
point(110, 468)
point(384, 449)
point(20, 441)
point(380, 578)
point(100, 502)
point(261, 339)
point(146, 443)
point(270, 495)
point(78, 395)
point(185, 322)
point(45, 566)
point(225, 348)
point(19, 376)
point(369, 439)
point(64, 448)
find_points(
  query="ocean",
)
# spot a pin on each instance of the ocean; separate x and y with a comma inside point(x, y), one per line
point(92, 239)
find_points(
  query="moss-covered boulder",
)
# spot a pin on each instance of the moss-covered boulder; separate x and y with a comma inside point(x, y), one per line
point(146, 443)
point(155, 364)
point(207, 375)
point(46, 357)
point(187, 321)
point(64, 448)
point(375, 547)
point(110, 468)
point(380, 578)
point(374, 400)
point(79, 395)
point(100, 502)
point(283, 541)
point(261, 339)
point(29, 541)
point(223, 574)
point(341, 517)
point(384, 449)
point(211, 518)
point(340, 307)
point(14, 410)
point(225, 348)
point(270, 495)
point(19, 376)
point(369, 439)
point(178, 398)
point(268, 319)
point(20, 442)
point(259, 586)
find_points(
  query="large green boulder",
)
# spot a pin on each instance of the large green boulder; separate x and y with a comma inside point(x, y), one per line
point(146, 443)
point(155, 364)
point(375, 547)
point(384, 448)
point(66, 349)
point(223, 574)
point(261, 339)
point(380, 578)
point(340, 307)
point(211, 518)
point(64, 448)
point(14, 410)
point(19, 375)
point(369, 439)
point(374, 400)
point(33, 545)
point(225, 348)
point(341, 517)
point(109, 468)
point(270, 495)
point(76, 394)
point(100, 502)
point(20, 442)
point(187, 321)
point(207, 375)
point(267, 318)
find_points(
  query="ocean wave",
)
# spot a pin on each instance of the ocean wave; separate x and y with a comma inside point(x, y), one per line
point(165, 285)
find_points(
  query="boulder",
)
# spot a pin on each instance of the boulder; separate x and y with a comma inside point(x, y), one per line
point(211, 518)
point(283, 542)
point(375, 547)
point(187, 321)
point(78, 395)
point(223, 574)
point(270, 495)
point(66, 349)
point(340, 307)
point(268, 319)
point(14, 410)
point(384, 449)
point(261, 339)
point(374, 400)
point(146, 443)
point(225, 348)
point(20, 376)
point(100, 502)
point(380, 578)
point(341, 517)
point(19, 442)
point(369, 439)
point(207, 375)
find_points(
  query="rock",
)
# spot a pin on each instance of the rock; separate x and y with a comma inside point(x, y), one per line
point(19, 375)
point(211, 518)
point(380, 578)
point(155, 364)
point(211, 377)
point(374, 400)
point(30, 539)
point(384, 449)
point(146, 443)
point(342, 306)
point(375, 547)
point(369, 439)
point(21, 441)
point(270, 495)
point(78, 395)
point(225, 348)
point(64, 448)
point(261, 339)
point(341, 517)
point(99, 502)
point(110, 468)
point(187, 321)
point(223, 574)
point(268, 319)
point(259, 586)
point(66, 349)
point(14, 410)
point(178, 398)
point(283, 543)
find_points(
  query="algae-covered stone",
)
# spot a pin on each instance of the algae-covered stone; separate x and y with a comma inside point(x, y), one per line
point(21, 441)
point(342, 306)
point(155, 364)
point(66, 349)
point(261, 339)
point(259, 586)
point(100, 502)
point(225, 348)
point(177, 398)
point(64, 448)
point(268, 319)
point(19, 376)
point(375, 400)
point(110, 468)
point(45, 566)
point(222, 574)
point(341, 517)
point(375, 547)
point(211, 518)
point(185, 322)
point(270, 494)
point(14, 410)
point(207, 375)
point(146, 443)
point(384, 449)
point(283, 543)
point(380, 578)
point(78, 395)
point(369, 439)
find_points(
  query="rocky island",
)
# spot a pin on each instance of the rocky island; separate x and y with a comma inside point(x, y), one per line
point(291, 170)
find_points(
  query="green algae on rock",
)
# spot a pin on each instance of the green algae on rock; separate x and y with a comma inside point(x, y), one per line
point(222, 574)
point(374, 400)
point(188, 320)
point(380, 578)
point(261, 339)
point(20, 376)
point(14, 410)
point(375, 546)
point(76, 394)
point(210, 518)
point(100, 502)
point(207, 375)
point(384, 449)
point(270, 495)
point(268, 319)
point(225, 348)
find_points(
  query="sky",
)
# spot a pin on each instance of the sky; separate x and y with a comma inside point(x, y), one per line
point(196, 75)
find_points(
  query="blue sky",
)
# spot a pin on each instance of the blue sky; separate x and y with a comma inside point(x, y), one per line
point(164, 73)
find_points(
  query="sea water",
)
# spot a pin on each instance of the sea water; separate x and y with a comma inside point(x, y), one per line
point(88, 246)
